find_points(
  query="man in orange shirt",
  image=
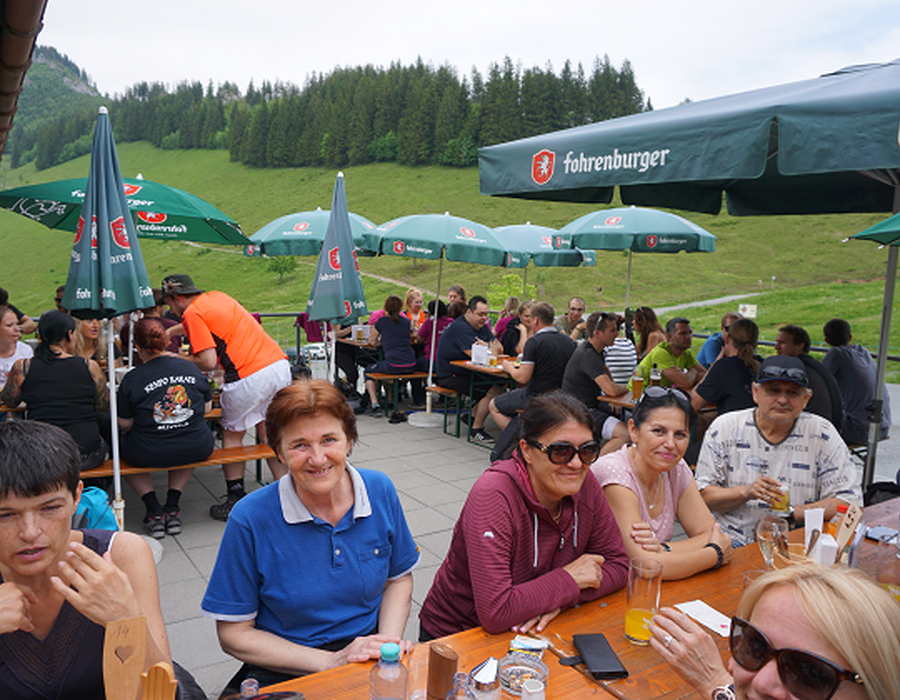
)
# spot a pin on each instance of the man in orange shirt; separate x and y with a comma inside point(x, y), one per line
point(223, 332)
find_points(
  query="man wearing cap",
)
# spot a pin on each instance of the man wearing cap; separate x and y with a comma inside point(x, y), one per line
point(221, 331)
point(750, 458)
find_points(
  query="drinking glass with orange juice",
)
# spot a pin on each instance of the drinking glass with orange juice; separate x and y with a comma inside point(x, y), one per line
point(644, 578)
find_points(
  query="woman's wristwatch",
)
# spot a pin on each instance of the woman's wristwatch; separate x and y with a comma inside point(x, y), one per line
point(723, 692)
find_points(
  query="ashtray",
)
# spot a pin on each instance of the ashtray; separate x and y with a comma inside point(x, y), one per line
point(517, 667)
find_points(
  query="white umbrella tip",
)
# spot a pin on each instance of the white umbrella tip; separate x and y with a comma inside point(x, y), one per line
point(103, 110)
point(446, 213)
point(340, 173)
point(139, 176)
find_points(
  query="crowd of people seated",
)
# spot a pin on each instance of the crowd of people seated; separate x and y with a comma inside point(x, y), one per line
point(579, 487)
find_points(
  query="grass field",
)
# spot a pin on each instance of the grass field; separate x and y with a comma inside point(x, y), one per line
point(816, 276)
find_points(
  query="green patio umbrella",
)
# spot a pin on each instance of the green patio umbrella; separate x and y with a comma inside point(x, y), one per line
point(820, 146)
point(337, 293)
point(545, 246)
point(302, 234)
point(435, 237)
point(637, 229)
point(159, 211)
point(823, 145)
point(107, 276)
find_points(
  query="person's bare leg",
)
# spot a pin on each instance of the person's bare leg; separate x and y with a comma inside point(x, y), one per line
point(233, 439)
point(501, 420)
point(373, 396)
point(178, 478)
point(275, 466)
point(483, 407)
point(619, 438)
point(141, 483)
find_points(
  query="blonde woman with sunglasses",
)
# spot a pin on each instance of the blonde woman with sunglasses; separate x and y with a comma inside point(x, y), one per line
point(808, 632)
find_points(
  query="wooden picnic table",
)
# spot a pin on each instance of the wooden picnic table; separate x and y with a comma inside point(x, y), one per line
point(480, 375)
point(649, 675)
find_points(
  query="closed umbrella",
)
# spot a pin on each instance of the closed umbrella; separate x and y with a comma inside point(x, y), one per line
point(336, 294)
point(820, 146)
point(106, 272)
point(159, 211)
point(302, 233)
point(638, 229)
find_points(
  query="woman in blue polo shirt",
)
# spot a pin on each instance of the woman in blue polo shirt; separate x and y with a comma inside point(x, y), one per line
point(315, 570)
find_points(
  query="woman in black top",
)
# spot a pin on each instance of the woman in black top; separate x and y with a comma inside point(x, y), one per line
point(161, 407)
point(61, 388)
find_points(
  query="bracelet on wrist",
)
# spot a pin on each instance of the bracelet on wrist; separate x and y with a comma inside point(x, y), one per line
point(720, 556)
point(666, 546)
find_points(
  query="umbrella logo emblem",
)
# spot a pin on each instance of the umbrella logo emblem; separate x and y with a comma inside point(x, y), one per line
point(399, 247)
point(151, 217)
point(559, 242)
point(652, 241)
point(542, 166)
point(119, 232)
point(613, 220)
point(131, 190)
point(334, 259)
point(302, 226)
point(347, 308)
point(79, 230)
point(355, 261)
point(469, 233)
point(548, 240)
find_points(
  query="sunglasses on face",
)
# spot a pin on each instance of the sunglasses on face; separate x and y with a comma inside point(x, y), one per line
point(791, 373)
point(562, 452)
point(806, 675)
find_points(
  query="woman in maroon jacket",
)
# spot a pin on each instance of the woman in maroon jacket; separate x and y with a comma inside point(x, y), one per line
point(534, 536)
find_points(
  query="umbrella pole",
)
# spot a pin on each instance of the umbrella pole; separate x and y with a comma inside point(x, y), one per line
point(628, 280)
point(131, 340)
point(524, 283)
point(428, 419)
point(881, 366)
point(118, 502)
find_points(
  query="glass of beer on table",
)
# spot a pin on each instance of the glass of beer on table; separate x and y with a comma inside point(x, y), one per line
point(644, 579)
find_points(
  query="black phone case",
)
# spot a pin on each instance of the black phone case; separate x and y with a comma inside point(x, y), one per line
point(599, 657)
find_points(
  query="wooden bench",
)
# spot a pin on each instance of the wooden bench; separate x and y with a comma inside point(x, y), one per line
point(222, 455)
point(392, 379)
point(448, 394)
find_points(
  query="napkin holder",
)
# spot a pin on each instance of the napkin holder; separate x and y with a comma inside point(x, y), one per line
point(480, 354)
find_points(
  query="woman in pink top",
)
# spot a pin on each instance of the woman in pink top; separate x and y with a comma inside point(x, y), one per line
point(648, 485)
point(440, 321)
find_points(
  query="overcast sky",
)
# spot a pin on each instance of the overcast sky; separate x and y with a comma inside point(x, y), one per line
point(693, 48)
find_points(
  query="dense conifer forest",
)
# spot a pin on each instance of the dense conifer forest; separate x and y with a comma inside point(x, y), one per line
point(413, 115)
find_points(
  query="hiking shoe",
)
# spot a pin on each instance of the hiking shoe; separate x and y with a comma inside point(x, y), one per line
point(154, 526)
point(481, 435)
point(173, 522)
point(374, 411)
point(221, 511)
point(398, 417)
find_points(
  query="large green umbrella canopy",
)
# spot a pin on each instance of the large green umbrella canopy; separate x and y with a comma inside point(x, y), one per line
point(823, 145)
point(107, 276)
point(820, 146)
point(436, 236)
point(545, 246)
point(159, 211)
point(302, 233)
point(637, 229)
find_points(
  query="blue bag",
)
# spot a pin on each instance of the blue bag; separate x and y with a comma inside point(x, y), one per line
point(94, 511)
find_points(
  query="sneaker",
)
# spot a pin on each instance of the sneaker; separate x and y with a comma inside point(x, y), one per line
point(154, 526)
point(173, 522)
point(221, 511)
point(374, 411)
point(481, 435)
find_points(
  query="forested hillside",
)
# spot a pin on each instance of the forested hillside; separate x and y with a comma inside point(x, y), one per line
point(413, 115)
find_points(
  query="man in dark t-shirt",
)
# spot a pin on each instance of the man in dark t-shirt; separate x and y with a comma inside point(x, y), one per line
point(456, 344)
point(544, 360)
point(586, 375)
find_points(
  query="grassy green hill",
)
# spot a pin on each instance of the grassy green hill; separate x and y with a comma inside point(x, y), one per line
point(816, 275)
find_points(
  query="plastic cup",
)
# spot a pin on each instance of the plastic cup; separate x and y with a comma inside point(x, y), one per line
point(644, 579)
point(751, 576)
point(637, 387)
point(888, 574)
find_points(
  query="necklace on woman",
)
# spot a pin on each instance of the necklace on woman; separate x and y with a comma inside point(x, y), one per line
point(650, 504)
